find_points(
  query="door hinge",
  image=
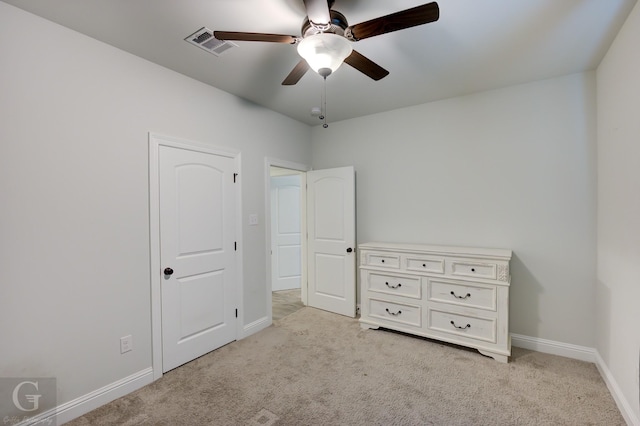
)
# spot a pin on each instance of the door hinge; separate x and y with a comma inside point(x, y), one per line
point(235, 246)
point(236, 312)
point(234, 177)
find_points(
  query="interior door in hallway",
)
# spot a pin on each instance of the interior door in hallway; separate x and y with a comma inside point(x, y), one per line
point(331, 240)
point(286, 262)
point(197, 237)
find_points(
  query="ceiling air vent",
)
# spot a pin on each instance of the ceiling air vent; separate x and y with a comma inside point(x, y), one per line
point(204, 39)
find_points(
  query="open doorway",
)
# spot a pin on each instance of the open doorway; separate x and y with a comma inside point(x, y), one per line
point(326, 262)
point(286, 212)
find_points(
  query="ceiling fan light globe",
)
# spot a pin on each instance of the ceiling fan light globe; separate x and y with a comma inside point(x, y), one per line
point(324, 51)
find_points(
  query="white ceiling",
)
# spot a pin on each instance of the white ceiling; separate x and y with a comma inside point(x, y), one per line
point(476, 45)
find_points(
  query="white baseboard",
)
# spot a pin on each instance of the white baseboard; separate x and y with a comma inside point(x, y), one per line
point(622, 403)
point(581, 353)
point(70, 410)
point(568, 350)
point(254, 327)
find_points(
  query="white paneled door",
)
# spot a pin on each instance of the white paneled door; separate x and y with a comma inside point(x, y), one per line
point(331, 240)
point(197, 253)
point(286, 262)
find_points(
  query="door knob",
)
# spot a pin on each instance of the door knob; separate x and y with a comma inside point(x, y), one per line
point(349, 250)
point(168, 271)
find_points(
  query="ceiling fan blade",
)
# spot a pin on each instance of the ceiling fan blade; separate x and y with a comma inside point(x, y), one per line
point(296, 73)
point(272, 38)
point(318, 11)
point(366, 66)
point(408, 18)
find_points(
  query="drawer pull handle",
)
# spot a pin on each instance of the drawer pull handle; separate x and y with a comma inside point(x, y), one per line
point(424, 265)
point(473, 269)
point(461, 328)
point(460, 297)
point(393, 286)
point(382, 260)
point(395, 314)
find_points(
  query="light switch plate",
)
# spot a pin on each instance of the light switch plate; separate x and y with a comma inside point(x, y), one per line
point(126, 344)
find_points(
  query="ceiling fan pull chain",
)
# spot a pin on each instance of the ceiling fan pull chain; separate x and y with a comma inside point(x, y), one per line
point(324, 104)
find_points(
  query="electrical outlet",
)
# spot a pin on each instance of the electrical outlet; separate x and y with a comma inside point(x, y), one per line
point(253, 219)
point(126, 344)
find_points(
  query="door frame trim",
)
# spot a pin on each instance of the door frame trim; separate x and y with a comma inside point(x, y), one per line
point(155, 142)
point(303, 169)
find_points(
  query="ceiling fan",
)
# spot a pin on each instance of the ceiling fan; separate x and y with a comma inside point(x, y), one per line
point(326, 38)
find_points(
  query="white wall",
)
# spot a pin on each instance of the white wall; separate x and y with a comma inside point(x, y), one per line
point(511, 168)
point(618, 285)
point(74, 222)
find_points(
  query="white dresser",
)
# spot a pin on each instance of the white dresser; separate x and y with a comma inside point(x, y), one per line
point(455, 294)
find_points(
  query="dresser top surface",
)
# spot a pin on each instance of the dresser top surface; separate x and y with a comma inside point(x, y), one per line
point(499, 253)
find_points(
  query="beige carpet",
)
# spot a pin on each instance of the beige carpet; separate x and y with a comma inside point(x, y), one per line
point(285, 302)
point(317, 368)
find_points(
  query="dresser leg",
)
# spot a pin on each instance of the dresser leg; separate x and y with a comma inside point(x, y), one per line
point(500, 358)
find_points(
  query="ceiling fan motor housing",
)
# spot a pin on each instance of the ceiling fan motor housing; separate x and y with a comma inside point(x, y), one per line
point(337, 25)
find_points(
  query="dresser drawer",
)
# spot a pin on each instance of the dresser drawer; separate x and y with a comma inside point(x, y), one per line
point(386, 260)
point(390, 284)
point(424, 264)
point(462, 325)
point(465, 268)
point(395, 312)
point(462, 294)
